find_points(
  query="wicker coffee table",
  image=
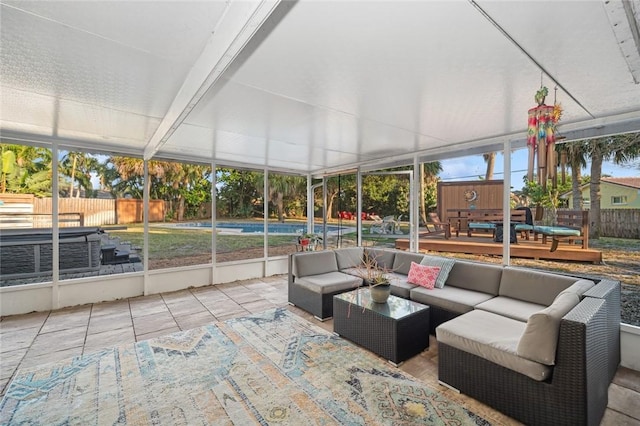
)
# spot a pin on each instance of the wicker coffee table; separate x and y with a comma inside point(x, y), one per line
point(396, 330)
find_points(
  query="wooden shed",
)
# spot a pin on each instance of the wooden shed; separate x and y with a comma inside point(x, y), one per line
point(474, 194)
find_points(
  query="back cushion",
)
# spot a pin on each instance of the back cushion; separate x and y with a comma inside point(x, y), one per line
point(384, 258)
point(540, 338)
point(483, 277)
point(533, 286)
point(402, 261)
point(349, 257)
point(315, 263)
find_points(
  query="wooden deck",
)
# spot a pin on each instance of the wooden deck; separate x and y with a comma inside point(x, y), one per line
point(484, 245)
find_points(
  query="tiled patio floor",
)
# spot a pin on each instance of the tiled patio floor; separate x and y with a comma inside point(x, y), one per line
point(32, 339)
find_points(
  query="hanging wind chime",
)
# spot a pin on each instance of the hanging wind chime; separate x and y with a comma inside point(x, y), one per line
point(541, 138)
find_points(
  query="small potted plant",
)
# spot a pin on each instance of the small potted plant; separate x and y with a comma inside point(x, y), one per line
point(309, 241)
point(376, 278)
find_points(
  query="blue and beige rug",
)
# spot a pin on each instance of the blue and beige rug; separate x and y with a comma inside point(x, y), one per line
point(269, 368)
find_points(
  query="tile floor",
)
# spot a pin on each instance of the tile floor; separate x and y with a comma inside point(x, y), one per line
point(32, 339)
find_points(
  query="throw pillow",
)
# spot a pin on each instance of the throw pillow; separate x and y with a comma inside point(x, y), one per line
point(423, 275)
point(443, 263)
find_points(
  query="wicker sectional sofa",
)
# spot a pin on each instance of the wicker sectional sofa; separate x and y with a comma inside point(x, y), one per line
point(539, 347)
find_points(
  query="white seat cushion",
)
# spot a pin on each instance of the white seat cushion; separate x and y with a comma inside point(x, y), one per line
point(330, 282)
point(510, 308)
point(492, 337)
point(451, 298)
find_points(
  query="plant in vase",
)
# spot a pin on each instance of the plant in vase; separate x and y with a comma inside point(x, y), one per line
point(309, 241)
point(375, 277)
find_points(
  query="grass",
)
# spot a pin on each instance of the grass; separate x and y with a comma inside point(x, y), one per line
point(621, 256)
point(170, 243)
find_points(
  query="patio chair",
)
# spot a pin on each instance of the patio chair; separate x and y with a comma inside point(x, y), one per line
point(436, 227)
point(386, 225)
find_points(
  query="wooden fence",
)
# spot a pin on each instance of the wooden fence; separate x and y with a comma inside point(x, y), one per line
point(620, 223)
point(97, 211)
point(130, 210)
point(36, 212)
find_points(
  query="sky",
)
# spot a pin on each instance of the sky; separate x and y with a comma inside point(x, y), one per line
point(469, 168)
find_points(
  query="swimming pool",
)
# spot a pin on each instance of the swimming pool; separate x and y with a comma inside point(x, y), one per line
point(257, 228)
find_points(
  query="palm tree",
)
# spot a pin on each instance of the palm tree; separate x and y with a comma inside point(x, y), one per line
point(428, 179)
point(25, 170)
point(490, 159)
point(619, 149)
point(575, 154)
point(79, 166)
point(281, 186)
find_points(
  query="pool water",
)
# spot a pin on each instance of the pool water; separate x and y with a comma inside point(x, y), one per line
point(258, 228)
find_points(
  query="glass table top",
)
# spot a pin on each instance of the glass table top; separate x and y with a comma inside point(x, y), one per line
point(396, 307)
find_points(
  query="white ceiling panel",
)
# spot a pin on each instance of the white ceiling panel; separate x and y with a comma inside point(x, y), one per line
point(319, 85)
point(172, 30)
point(103, 72)
point(588, 64)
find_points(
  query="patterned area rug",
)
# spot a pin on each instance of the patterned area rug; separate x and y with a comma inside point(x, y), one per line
point(269, 368)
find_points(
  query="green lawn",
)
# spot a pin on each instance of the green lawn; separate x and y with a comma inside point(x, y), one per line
point(170, 242)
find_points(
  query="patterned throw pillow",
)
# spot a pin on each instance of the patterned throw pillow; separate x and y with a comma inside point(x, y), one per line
point(422, 275)
point(443, 263)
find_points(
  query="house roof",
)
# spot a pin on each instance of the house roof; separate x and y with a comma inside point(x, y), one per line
point(633, 182)
point(312, 86)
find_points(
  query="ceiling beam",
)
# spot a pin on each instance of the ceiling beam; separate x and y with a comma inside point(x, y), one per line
point(240, 22)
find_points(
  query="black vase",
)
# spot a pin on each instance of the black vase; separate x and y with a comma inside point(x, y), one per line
point(380, 293)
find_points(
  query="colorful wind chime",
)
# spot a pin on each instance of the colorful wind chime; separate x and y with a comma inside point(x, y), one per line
point(541, 138)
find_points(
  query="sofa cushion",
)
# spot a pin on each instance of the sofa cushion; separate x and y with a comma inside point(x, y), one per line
point(443, 263)
point(349, 257)
point(475, 276)
point(314, 263)
point(492, 337)
point(423, 275)
point(540, 337)
point(384, 258)
point(403, 259)
point(452, 299)
point(331, 282)
point(399, 285)
point(533, 286)
point(510, 308)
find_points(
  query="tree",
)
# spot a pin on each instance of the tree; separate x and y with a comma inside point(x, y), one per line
point(281, 186)
point(25, 170)
point(620, 149)
point(184, 186)
point(78, 166)
point(386, 194)
point(428, 187)
point(342, 186)
point(490, 159)
point(546, 196)
point(575, 154)
point(238, 194)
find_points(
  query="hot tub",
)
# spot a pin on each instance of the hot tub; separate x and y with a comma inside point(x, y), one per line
point(28, 252)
